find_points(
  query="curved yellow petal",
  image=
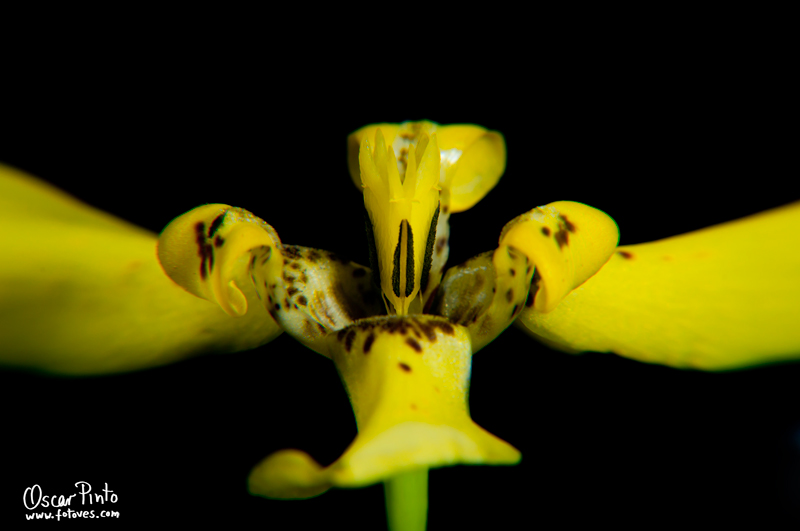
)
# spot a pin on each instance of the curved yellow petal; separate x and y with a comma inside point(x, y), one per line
point(407, 378)
point(478, 167)
point(212, 251)
point(472, 158)
point(288, 475)
point(82, 292)
point(567, 242)
point(725, 297)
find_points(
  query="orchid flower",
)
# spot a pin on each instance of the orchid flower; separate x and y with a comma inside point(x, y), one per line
point(402, 330)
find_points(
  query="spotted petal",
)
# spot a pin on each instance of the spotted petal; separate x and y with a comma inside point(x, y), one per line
point(407, 378)
point(725, 297)
point(567, 242)
point(82, 292)
point(213, 251)
point(319, 293)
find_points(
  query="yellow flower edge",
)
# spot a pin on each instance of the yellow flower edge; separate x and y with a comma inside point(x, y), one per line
point(721, 298)
point(85, 293)
point(407, 378)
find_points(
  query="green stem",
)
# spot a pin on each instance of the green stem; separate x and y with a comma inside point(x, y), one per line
point(407, 500)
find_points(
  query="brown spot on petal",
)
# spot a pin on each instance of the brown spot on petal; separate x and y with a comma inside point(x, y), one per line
point(510, 295)
point(447, 328)
point(216, 224)
point(368, 343)
point(204, 250)
point(625, 254)
point(290, 251)
point(348, 340)
point(404, 367)
point(411, 342)
point(441, 243)
point(546, 231)
point(562, 238)
point(534, 289)
point(428, 330)
point(567, 223)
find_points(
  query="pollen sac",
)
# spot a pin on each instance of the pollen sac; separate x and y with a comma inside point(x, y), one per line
point(402, 217)
point(319, 293)
point(486, 293)
point(471, 160)
point(213, 249)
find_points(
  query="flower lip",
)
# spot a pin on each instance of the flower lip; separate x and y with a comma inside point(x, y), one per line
point(408, 379)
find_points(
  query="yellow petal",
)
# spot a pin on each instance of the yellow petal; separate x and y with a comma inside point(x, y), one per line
point(477, 169)
point(212, 251)
point(407, 378)
point(288, 475)
point(724, 297)
point(567, 242)
point(82, 292)
point(485, 294)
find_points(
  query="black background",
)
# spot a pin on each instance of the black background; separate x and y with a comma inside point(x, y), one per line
point(665, 139)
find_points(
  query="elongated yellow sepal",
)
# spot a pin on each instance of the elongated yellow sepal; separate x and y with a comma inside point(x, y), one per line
point(82, 292)
point(721, 298)
point(408, 379)
point(567, 242)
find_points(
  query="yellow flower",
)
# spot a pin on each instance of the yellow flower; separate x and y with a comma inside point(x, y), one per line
point(670, 302)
